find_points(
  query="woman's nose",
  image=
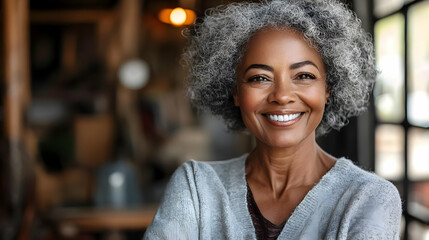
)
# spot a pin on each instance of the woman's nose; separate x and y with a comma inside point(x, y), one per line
point(282, 92)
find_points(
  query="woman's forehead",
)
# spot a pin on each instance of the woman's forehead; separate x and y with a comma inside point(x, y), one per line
point(272, 45)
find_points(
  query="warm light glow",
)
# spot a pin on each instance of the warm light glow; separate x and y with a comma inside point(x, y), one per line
point(178, 16)
point(190, 17)
point(164, 15)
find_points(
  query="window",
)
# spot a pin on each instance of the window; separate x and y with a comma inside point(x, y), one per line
point(401, 98)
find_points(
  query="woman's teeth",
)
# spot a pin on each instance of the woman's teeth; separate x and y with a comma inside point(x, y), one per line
point(283, 118)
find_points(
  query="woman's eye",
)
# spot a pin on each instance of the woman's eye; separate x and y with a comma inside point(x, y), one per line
point(257, 79)
point(306, 76)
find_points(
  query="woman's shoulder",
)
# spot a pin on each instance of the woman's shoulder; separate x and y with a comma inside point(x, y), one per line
point(224, 171)
point(372, 203)
point(359, 174)
point(366, 182)
point(219, 167)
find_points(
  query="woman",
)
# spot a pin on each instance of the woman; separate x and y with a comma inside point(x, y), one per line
point(287, 71)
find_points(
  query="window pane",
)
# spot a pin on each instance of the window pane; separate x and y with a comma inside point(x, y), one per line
point(418, 154)
point(389, 51)
point(418, 231)
point(418, 98)
point(418, 202)
point(389, 151)
point(383, 7)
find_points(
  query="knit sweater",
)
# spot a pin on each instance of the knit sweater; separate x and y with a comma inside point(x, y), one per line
point(207, 200)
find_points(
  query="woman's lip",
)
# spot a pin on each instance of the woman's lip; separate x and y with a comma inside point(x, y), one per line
point(281, 112)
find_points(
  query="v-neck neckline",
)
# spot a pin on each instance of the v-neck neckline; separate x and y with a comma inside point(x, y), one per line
point(253, 203)
point(303, 210)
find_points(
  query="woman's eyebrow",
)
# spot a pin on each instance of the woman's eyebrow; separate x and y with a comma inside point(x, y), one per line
point(301, 64)
point(259, 66)
point(293, 66)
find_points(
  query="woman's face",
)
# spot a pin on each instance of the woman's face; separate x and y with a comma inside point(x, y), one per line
point(281, 88)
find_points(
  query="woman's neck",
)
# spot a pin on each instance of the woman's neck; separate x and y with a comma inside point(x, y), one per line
point(281, 169)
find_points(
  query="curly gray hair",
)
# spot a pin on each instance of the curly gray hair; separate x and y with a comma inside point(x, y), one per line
point(216, 45)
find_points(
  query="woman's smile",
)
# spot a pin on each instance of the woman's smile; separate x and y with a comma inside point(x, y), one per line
point(283, 119)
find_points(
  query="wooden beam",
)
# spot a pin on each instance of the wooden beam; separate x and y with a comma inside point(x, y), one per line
point(69, 16)
point(17, 67)
point(16, 100)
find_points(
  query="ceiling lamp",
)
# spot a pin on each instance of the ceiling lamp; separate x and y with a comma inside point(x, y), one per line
point(177, 16)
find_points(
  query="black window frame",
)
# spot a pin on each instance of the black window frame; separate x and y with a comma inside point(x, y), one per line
point(405, 182)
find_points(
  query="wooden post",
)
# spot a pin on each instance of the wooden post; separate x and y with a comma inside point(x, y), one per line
point(130, 27)
point(17, 90)
point(16, 100)
point(126, 106)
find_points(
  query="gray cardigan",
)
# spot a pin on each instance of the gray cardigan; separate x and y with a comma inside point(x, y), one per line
point(207, 200)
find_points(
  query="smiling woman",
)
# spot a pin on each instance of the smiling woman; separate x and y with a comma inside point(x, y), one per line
point(287, 72)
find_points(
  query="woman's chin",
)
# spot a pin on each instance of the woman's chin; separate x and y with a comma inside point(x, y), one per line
point(285, 142)
point(281, 143)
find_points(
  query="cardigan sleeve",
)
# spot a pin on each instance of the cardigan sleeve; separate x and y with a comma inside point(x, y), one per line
point(177, 215)
point(379, 214)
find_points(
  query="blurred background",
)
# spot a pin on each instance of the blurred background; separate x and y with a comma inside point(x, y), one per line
point(95, 118)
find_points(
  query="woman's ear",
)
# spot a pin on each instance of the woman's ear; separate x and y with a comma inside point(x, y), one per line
point(234, 94)
point(327, 97)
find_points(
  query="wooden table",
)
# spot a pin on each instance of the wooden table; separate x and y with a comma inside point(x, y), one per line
point(101, 219)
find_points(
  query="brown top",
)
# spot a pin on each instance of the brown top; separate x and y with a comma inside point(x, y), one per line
point(264, 229)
